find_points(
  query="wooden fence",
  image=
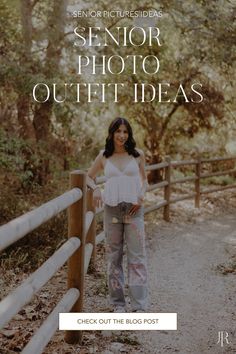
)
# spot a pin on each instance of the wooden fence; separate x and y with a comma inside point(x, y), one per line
point(82, 240)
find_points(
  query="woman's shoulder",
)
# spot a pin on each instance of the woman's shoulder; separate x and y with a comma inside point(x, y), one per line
point(101, 152)
point(140, 151)
point(102, 157)
point(141, 154)
point(141, 158)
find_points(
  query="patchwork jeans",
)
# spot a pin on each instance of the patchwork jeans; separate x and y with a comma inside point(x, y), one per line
point(119, 228)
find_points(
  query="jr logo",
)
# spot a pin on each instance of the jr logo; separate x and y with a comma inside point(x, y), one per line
point(223, 338)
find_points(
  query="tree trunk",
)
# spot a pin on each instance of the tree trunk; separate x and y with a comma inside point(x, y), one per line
point(154, 176)
point(156, 132)
point(152, 143)
point(56, 24)
point(42, 121)
point(26, 129)
point(23, 103)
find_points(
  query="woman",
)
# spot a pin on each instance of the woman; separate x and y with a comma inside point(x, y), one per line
point(124, 168)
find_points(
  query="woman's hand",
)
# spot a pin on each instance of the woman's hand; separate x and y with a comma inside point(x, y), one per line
point(135, 207)
point(97, 198)
point(133, 210)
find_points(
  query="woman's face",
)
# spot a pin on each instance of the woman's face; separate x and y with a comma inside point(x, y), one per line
point(121, 136)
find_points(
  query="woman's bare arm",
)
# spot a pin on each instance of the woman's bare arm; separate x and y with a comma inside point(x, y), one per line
point(96, 167)
point(143, 173)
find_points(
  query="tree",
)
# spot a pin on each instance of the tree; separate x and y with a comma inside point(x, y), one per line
point(25, 62)
point(187, 56)
point(51, 68)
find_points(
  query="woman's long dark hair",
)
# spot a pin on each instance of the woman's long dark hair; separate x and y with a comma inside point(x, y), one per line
point(130, 143)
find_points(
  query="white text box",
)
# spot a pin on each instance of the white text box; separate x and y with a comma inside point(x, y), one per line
point(118, 321)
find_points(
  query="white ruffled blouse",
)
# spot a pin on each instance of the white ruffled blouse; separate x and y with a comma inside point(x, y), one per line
point(122, 186)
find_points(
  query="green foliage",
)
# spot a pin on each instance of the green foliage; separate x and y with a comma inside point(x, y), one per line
point(31, 251)
point(9, 152)
point(9, 27)
point(29, 163)
point(198, 45)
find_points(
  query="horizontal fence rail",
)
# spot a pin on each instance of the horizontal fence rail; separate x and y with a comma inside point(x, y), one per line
point(80, 249)
point(218, 159)
point(157, 185)
point(220, 173)
point(44, 334)
point(12, 304)
point(183, 180)
point(211, 190)
point(19, 227)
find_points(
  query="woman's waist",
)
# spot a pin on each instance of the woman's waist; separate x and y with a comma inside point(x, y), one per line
point(121, 177)
point(123, 180)
point(119, 211)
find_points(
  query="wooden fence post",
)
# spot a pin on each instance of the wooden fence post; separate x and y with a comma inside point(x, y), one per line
point(167, 190)
point(91, 236)
point(76, 227)
point(197, 182)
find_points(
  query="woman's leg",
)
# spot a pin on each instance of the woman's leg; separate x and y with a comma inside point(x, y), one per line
point(114, 230)
point(136, 258)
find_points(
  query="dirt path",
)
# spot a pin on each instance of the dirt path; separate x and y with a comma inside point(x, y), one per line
point(184, 278)
point(186, 259)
